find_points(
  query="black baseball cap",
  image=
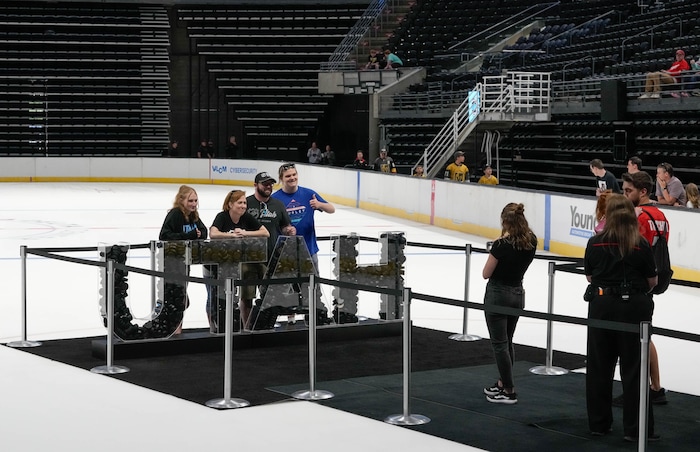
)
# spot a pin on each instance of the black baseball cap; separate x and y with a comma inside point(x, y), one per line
point(264, 177)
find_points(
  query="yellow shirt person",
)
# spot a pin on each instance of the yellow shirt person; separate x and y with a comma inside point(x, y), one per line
point(488, 178)
point(457, 171)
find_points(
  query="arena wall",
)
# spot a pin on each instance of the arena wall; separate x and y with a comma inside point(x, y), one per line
point(563, 223)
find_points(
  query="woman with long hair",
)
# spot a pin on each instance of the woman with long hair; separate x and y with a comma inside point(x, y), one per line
point(182, 221)
point(510, 256)
point(619, 264)
point(692, 195)
point(600, 211)
point(235, 221)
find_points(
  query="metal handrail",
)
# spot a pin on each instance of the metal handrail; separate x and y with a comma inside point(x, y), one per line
point(571, 63)
point(499, 25)
point(651, 38)
point(583, 25)
point(353, 37)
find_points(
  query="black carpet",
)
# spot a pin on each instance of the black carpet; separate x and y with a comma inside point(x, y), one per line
point(365, 376)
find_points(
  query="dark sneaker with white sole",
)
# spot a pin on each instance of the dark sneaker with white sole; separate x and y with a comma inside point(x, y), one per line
point(493, 390)
point(503, 397)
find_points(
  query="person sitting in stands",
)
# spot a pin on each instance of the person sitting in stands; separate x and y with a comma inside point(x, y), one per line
point(419, 171)
point(692, 83)
point(374, 60)
point(392, 61)
point(654, 80)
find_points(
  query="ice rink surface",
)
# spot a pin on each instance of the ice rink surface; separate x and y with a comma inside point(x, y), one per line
point(63, 300)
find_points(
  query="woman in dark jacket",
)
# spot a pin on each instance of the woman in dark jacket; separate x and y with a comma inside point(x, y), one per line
point(619, 264)
point(182, 221)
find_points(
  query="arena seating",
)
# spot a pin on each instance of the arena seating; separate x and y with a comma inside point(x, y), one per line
point(585, 43)
point(81, 79)
point(265, 60)
point(96, 78)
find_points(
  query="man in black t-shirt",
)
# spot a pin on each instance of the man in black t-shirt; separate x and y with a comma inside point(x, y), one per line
point(270, 212)
point(605, 180)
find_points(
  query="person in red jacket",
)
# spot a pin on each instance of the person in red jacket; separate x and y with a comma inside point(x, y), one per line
point(654, 80)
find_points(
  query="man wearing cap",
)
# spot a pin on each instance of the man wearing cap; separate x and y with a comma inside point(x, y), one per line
point(457, 170)
point(383, 163)
point(272, 214)
point(654, 80)
point(488, 178)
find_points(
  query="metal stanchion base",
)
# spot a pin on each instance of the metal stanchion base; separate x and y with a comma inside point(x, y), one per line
point(411, 419)
point(23, 344)
point(544, 370)
point(227, 404)
point(318, 394)
point(464, 337)
point(109, 370)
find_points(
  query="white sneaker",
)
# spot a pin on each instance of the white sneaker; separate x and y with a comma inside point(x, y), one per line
point(655, 96)
point(644, 96)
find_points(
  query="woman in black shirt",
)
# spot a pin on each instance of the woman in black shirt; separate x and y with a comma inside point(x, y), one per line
point(235, 221)
point(619, 264)
point(509, 258)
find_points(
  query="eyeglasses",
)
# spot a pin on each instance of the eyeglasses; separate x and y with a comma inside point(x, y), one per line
point(287, 166)
point(267, 183)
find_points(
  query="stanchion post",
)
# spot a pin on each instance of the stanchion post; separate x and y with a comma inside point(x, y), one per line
point(110, 368)
point(406, 418)
point(23, 342)
point(312, 393)
point(227, 402)
point(644, 337)
point(466, 337)
point(152, 248)
point(548, 369)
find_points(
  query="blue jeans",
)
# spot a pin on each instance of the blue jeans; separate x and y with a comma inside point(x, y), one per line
point(502, 327)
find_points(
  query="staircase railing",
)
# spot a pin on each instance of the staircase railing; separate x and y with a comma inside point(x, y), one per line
point(525, 95)
point(452, 134)
point(353, 37)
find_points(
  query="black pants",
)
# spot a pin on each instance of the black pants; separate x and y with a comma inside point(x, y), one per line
point(604, 348)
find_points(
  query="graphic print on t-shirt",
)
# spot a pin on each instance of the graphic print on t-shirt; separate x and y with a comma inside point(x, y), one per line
point(296, 211)
point(187, 228)
point(263, 214)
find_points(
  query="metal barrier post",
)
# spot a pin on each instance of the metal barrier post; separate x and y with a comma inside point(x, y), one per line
point(152, 247)
point(465, 337)
point(227, 402)
point(312, 393)
point(407, 418)
point(23, 342)
point(548, 369)
point(644, 335)
point(110, 368)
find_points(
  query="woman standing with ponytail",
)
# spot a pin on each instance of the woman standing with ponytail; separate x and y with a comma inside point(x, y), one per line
point(509, 258)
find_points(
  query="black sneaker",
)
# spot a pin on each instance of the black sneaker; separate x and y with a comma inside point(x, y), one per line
point(651, 438)
point(658, 397)
point(619, 400)
point(503, 397)
point(493, 390)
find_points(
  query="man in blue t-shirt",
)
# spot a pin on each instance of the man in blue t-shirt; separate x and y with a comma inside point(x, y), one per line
point(301, 204)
